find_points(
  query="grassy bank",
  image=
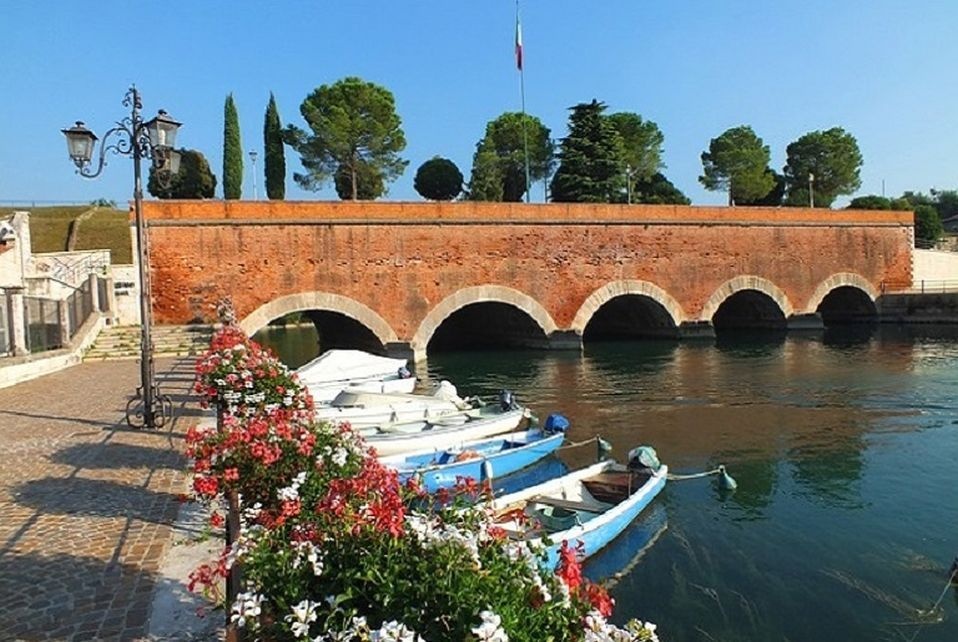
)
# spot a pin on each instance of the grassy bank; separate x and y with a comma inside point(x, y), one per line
point(102, 229)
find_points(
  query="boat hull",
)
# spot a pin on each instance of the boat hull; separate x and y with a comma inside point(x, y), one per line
point(492, 460)
point(440, 438)
point(599, 531)
point(327, 392)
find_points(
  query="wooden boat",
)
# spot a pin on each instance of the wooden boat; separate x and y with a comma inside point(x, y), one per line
point(374, 409)
point(335, 370)
point(592, 505)
point(439, 434)
point(481, 460)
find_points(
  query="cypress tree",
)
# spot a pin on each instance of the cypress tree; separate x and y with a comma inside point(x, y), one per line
point(274, 165)
point(591, 159)
point(232, 152)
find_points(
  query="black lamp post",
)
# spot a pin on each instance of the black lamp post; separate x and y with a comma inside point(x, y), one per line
point(153, 139)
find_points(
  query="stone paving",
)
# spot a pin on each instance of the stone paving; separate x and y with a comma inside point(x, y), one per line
point(87, 504)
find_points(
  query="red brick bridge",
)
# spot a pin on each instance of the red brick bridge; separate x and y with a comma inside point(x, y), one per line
point(407, 277)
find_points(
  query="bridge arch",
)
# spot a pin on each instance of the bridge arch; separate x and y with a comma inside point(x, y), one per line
point(479, 294)
point(327, 301)
point(838, 280)
point(746, 282)
point(625, 287)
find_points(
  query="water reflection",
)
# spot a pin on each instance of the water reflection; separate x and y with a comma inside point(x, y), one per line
point(844, 447)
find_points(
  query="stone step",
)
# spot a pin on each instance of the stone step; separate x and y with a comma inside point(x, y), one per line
point(123, 342)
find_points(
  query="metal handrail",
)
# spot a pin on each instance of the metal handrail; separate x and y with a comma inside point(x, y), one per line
point(922, 286)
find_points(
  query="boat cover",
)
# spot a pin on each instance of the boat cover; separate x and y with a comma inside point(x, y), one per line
point(344, 365)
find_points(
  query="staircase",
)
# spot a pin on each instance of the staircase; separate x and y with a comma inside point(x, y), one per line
point(123, 342)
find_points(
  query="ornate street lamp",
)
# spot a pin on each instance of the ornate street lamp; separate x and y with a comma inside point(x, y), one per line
point(153, 139)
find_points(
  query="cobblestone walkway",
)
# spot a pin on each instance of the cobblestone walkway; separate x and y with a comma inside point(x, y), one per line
point(86, 504)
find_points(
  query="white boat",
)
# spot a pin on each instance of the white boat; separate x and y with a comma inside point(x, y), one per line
point(374, 409)
point(469, 425)
point(335, 370)
point(592, 506)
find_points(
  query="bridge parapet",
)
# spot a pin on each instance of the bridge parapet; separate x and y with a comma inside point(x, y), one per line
point(404, 268)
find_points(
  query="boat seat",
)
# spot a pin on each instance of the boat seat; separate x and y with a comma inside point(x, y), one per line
point(569, 504)
point(614, 487)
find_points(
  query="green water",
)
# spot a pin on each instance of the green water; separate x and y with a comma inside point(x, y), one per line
point(845, 450)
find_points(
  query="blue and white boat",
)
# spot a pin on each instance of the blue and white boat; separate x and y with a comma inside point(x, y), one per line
point(482, 460)
point(593, 505)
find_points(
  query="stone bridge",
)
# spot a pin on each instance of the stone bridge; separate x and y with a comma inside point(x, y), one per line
point(407, 277)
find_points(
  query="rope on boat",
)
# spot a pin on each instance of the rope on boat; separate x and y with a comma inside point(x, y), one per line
point(725, 480)
point(952, 579)
point(584, 442)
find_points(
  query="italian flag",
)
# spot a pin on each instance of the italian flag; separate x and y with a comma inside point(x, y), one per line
point(518, 43)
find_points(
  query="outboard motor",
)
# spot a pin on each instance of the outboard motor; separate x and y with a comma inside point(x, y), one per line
point(404, 372)
point(555, 423)
point(507, 401)
point(644, 460)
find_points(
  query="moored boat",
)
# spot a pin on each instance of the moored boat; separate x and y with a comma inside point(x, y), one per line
point(592, 505)
point(482, 460)
point(374, 409)
point(335, 370)
point(477, 423)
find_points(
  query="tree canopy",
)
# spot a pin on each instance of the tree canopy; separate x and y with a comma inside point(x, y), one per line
point(928, 227)
point(274, 163)
point(369, 183)
point(438, 179)
point(498, 166)
point(658, 190)
point(774, 197)
point(870, 202)
point(832, 157)
point(591, 159)
point(737, 162)
point(232, 152)
point(193, 180)
point(355, 128)
point(642, 142)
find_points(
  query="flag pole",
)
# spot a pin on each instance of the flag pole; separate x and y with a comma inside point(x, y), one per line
point(522, 92)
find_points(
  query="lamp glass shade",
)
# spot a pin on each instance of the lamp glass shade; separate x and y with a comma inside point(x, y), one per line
point(162, 130)
point(80, 142)
point(174, 163)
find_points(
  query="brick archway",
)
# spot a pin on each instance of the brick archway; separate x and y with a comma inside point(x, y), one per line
point(479, 294)
point(302, 301)
point(840, 279)
point(615, 289)
point(746, 282)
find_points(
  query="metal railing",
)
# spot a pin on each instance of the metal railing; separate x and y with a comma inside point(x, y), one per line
point(920, 287)
point(41, 318)
point(79, 307)
point(71, 268)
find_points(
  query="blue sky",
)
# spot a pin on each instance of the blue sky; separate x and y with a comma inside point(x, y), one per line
point(883, 70)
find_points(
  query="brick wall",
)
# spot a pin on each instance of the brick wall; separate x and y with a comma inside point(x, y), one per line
point(402, 259)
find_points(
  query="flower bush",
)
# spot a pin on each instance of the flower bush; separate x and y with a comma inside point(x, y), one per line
point(332, 547)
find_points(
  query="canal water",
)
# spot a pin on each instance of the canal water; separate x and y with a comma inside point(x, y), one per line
point(845, 521)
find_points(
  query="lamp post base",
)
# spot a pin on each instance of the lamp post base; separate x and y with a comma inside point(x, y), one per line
point(150, 412)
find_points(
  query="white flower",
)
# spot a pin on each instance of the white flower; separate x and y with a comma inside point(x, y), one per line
point(303, 614)
point(394, 632)
point(312, 554)
point(246, 608)
point(491, 628)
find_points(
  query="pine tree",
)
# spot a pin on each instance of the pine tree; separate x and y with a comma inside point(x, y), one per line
point(591, 159)
point(274, 165)
point(232, 152)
